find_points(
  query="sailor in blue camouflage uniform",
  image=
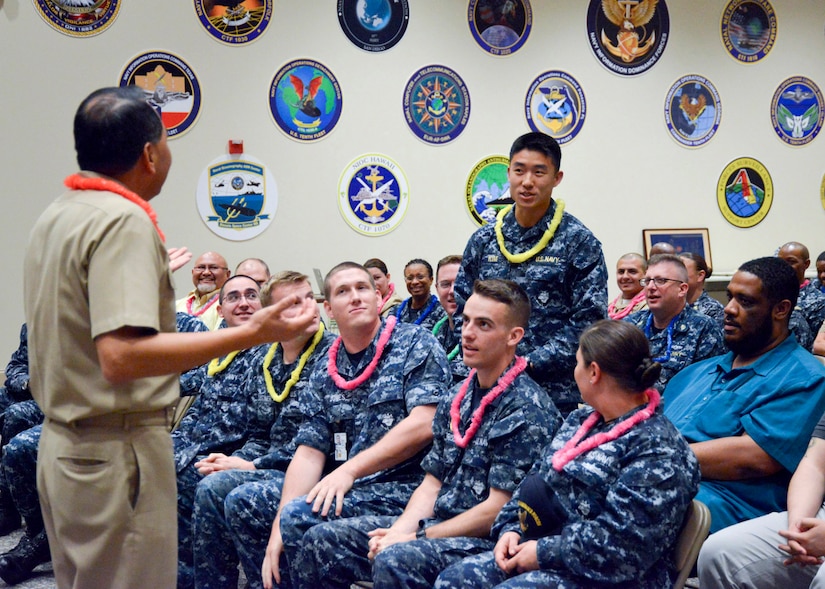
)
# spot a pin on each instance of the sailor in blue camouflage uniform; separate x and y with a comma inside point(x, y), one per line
point(678, 335)
point(471, 473)
point(552, 256)
point(698, 272)
point(421, 307)
point(368, 423)
point(598, 511)
point(274, 419)
point(445, 331)
point(811, 302)
point(218, 420)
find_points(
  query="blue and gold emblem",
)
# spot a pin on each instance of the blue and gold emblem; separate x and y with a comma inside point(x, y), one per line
point(234, 22)
point(744, 192)
point(748, 29)
point(797, 111)
point(373, 194)
point(78, 18)
point(628, 37)
point(693, 110)
point(305, 100)
point(436, 104)
point(555, 105)
point(374, 25)
point(170, 87)
point(500, 27)
point(488, 189)
point(237, 197)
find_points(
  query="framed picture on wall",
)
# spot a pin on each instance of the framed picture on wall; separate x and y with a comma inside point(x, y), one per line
point(696, 241)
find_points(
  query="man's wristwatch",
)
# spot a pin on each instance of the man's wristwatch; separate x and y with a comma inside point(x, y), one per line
point(421, 533)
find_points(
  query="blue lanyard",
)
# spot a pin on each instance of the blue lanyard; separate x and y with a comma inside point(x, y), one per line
point(427, 311)
point(670, 327)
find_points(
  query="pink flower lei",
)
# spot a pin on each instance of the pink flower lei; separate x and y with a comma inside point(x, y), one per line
point(332, 363)
point(571, 450)
point(78, 182)
point(611, 308)
point(190, 303)
point(505, 381)
point(390, 291)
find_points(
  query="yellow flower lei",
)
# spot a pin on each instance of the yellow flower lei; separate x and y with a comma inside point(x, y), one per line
point(216, 365)
point(545, 239)
point(296, 374)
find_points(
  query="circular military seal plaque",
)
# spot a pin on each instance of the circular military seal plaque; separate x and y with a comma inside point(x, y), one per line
point(797, 111)
point(500, 27)
point(305, 100)
point(234, 22)
point(555, 105)
point(693, 110)
point(373, 194)
point(628, 37)
point(237, 197)
point(744, 192)
point(748, 29)
point(436, 104)
point(488, 189)
point(78, 18)
point(374, 25)
point(170, 86)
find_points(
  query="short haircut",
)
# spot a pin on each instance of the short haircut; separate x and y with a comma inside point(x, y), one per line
point(795, 245)
point(538, 142)
point(111, 128)
point(637, 257)
point(669, 259)
point(622, 351)
point(230, 279)
point(258, 260)
point(377, 263)
point(821, 257)
point(340, 268)
point(509, 293)
point(448, 260)
point(280, 279)
point(700, 262)
point(779, 281)
point(424, 263)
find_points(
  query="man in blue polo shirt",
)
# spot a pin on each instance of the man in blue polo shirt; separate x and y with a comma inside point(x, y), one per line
point(749, 414)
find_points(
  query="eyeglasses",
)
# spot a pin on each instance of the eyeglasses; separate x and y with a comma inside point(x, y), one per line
point(419, 277)
point(658, 281)
point(445, 284)
point(233, 297)
point(211, 268)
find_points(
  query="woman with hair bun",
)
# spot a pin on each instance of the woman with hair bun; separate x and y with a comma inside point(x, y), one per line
point(604, 506)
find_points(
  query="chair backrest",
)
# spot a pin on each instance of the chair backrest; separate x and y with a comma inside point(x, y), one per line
point(694, 531)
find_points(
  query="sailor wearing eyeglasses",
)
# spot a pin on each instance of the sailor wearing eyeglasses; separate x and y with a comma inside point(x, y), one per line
point(218, 420)
point(678, 335)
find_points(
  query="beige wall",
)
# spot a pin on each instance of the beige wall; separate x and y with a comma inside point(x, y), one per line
point(622, 173)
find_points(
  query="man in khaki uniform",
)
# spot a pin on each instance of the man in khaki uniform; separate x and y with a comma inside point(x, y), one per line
point(104, 353)
point(208, 275)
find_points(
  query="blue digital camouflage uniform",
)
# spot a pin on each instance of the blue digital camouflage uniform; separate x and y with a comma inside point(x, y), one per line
point(272, 441)
point(709, 306)
point(19, 467)
point(567, 286)
point(695, 337)
point(191, 380)
point(450, 340)
point(218, 421)
point(412, 372)
point(619, 510)
point(811, 303)
point(800, 329)
point(406, 314)
point(514, 429)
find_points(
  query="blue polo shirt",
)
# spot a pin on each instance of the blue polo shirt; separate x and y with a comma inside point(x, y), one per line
point(777, 400)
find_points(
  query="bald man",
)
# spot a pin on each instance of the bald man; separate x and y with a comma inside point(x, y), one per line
point(208, 275)
point(811, 302)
